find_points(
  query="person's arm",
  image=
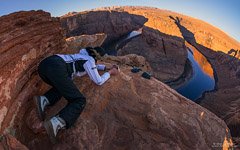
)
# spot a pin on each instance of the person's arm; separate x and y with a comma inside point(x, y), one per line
point(92, 71)
point(106, 68)
point(101, 67)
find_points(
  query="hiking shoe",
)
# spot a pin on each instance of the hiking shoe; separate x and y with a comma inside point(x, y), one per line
point(52, 127)
point(41, 102)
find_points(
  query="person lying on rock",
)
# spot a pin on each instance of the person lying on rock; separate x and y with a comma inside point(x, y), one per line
point(58, 71)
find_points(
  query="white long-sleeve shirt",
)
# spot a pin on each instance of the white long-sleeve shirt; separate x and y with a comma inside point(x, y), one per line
point(90, 66)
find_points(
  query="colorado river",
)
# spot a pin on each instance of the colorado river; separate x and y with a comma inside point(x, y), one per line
point(202, 79)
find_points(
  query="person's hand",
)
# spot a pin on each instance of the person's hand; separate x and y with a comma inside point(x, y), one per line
point(113, 71)
point(115, 66)
point(111, 67)
point(108, 68)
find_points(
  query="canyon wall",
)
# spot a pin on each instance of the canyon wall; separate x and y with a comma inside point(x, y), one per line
point(166, 54)
point(131, 112)
point(205, 34)
point(125, 113)
point(25, 39)
point(114, 24)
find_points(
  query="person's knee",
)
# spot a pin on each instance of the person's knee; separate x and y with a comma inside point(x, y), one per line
point(78, 101)
point(81, 102)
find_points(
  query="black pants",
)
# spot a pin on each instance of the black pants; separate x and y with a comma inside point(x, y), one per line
point(53, 70)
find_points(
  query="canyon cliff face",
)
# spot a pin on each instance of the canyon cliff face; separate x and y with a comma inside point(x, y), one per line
point(162, 43)
point(160, 50)
point(25, 39)
point(206, 38)
point(205, 34)
point(76, 43)
point(166, 54)
point(114, 24)
point(128, 112)
point(224, 101)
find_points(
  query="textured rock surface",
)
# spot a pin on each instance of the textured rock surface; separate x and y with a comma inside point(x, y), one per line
point(114, 24)
point(130, 112)
point(8, 142)
point(172, 63)
point(205, 34)
point(166, 54)
point(25, 39)
point(129, 60)
point(225, 100)
point(77, 42)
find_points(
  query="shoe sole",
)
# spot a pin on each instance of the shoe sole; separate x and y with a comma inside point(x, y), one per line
point(39, 110)
point(50, 132)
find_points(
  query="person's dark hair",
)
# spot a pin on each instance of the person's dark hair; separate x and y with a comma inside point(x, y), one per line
point(92, 51)
point(100, 51)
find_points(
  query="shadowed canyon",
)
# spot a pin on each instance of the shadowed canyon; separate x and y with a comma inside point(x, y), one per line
point(192, 100)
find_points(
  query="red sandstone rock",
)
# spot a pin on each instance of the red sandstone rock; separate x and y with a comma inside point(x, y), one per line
point(130, 112)
point(114, 24)
point(166, 54)
point(77, 42)
point(25, 39)
point(205, 34)
point(8, 142)
point(129, 60)
point(224, 101)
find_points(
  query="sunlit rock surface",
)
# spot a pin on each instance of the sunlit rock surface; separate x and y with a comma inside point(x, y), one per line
point(25, 39)
point(130, 112)
point(114, 24)
point(166, 54)
point(76, 43)
point(204, 33)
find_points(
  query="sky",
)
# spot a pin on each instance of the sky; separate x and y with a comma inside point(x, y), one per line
point(224, 14)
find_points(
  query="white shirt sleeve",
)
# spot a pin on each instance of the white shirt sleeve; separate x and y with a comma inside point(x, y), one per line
point(100, 67)
point(92, 71)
